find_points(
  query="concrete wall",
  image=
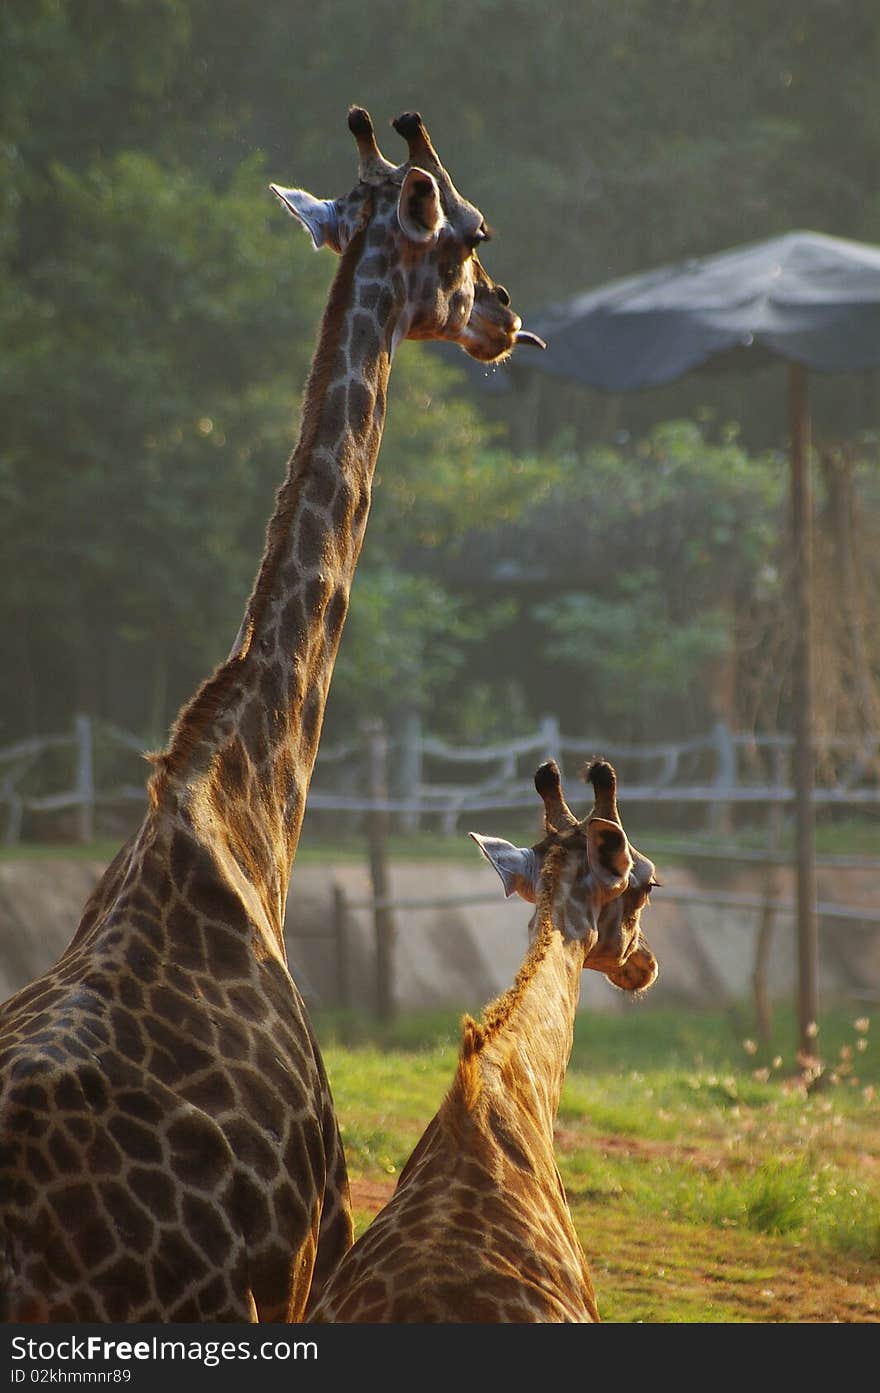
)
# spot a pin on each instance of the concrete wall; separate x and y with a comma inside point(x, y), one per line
point(462, 957)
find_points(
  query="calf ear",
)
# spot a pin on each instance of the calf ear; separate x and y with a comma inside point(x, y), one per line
point(418, 208)
point(608, 853)
point(517, 865)
point(319, 216)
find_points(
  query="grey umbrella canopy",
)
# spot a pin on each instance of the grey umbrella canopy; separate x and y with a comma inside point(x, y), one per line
point(805, 297)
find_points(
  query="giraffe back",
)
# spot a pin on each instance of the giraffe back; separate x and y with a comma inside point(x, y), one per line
point(478, 1230)
point(168, 1145)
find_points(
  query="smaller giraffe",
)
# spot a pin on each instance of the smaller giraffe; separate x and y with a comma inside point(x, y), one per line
point(478, 1228)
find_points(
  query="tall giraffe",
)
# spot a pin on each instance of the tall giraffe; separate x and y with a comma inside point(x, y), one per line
point(478, 1228)
point(169, 1149)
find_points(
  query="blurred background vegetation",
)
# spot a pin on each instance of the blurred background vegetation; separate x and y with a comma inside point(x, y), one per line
point(158, 314)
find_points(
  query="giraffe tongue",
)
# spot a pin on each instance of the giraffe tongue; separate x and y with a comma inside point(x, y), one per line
point(524, 336)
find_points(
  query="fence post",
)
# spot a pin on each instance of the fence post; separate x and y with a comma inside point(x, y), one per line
point(408, 771)
point(340, 935)
point(85, 779)
point(551, 740)
point(14, 819)
point(377, 841)
point(720, 813)
point(764, 936)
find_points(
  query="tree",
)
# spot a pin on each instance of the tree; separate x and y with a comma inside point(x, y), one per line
point(159, 314)
point(147, 409)
point(637, 573)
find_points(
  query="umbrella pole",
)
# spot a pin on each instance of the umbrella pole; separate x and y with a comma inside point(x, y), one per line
point(805, 854)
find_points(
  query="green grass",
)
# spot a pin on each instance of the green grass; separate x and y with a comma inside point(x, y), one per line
point(705, 1184)
point(678, 1042)
point(834, 836)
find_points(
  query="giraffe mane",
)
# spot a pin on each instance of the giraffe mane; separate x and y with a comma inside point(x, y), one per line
point(208, 701)
point(477, 1035)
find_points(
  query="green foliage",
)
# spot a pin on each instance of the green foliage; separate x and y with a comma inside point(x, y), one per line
point(159, 313)
point(442, 465)
point(634, 654)
point(147, 410)
point(602, 137)
point(701, 511)
point(663, 545)
point(405, 635)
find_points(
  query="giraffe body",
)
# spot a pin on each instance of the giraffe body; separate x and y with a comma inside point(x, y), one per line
point(169, 1150)
point(478, 1228)
point(169, 1133)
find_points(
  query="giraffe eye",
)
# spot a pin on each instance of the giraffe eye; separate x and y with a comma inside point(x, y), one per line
point(482, 234)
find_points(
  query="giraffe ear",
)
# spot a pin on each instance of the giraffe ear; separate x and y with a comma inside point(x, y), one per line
point(419, 211)
point(518, 866)
point(319, 216)
point(608, 853)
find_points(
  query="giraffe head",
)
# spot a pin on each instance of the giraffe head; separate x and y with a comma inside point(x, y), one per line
point(593, 879)
point(421, 242)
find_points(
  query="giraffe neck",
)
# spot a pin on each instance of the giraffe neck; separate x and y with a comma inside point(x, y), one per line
point(241, 753)
point(512, 1065)
point(525, 1059)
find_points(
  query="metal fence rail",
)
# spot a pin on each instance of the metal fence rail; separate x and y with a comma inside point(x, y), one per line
point(97, 766)
point(719, 770)
point(720, 899)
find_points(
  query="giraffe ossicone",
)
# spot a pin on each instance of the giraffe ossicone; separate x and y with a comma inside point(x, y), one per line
point(169, 1146)
point(479, 1229)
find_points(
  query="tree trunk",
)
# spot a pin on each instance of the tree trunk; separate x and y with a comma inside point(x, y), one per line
point(837, 468)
